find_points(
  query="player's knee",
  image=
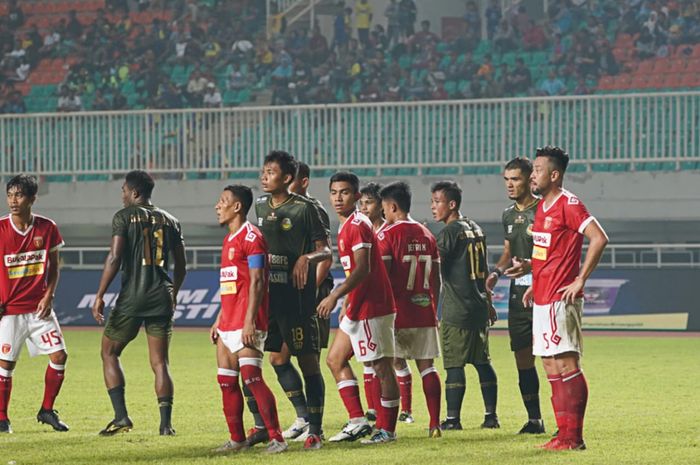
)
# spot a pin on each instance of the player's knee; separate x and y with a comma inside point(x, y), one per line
point(334, 363)
point(159, 365)
point(400, 364)
point(59, 358)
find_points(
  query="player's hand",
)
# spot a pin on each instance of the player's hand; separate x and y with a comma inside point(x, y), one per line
point(570, 292)
point(527, 298)
point(493, 316)
point(43, 310)
point(300, 273)
point(248, 334)
point(213, 333)
point(519, 268)
point(491, 281)
point(98, 309)
point(326, 306)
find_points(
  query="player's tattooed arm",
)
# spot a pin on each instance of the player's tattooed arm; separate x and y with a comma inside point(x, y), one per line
point(359, 273)
point(300, 273)
point(43, 310)
point(111, 268)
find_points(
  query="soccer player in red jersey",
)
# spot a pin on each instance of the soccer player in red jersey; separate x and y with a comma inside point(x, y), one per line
point(371, 206)
point(411, 257)
point(240, 329)
point(367, 327)
point(29, 245)
point(561, 223)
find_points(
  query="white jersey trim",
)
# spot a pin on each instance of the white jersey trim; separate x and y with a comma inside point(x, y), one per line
point(585, 224)
point(22, 233)
point(56, 247)
point(361, 245)
point(232, 236)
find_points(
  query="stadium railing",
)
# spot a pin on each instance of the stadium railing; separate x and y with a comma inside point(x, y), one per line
point(616, 256)
point(653, 131)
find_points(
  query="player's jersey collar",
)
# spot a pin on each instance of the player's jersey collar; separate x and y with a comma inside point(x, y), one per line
point(21, 233)
point(546, 208)
point(232, 236)
point(274, 207)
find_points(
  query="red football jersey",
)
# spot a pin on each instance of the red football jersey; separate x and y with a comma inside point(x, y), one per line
point(372, 297)
point(410, 253)
point(25, 262)
point(235, 277)
point(557, 236)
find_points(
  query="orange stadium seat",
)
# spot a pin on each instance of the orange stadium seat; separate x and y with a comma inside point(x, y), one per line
point(606, 83)
point(645, 66)
point(655, 81)
point(638, 82)
point(678, 66)
point(661, 65)
point(690, 80)
point(673, 81)
point(693, 66)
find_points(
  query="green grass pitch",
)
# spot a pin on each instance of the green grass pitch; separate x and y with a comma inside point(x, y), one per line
point(644, 408)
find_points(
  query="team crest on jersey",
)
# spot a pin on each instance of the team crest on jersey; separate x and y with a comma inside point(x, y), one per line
point(231, 252)
point(6, 348)
point(286, 224)
point(520, 219)
point(38, 242)
point(547, 222)
point(529, 230)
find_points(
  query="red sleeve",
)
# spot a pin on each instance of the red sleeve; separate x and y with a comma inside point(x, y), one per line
point(384, 243)
point(254, 244)
point(55, 239)
point(359, 237)
point(576, 216)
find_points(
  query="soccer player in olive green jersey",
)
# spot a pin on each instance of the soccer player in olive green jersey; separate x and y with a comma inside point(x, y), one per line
point(517, 224)
point(298, 241)
point(467, 311)
point(143, 238)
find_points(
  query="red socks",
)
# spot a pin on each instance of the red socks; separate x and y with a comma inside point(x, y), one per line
point(350, 393)
point(575, 393)
point(53, 379)
point(433, 392)
point(388, 414)
point(405, 380)
point(5, 390)
point(267, 406)
point(368, 378)
point(233, 403)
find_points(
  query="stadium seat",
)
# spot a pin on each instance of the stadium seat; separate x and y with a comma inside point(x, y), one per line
point(645, 67)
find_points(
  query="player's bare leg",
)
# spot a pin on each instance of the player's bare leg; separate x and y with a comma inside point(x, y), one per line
point(158, 357)
point(337, 362)
point(315, 397)
point(405, 380)
point(433, 393)
point(529, 384)
point(389, 408)
point(291, 382)
point(6, 368)
point(53, 380)
point(115, 383)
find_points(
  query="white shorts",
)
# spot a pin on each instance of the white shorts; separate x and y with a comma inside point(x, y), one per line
point(417, 343)
point(371, 339)
point(43, 337)
point(233, 341)
point(556, 328)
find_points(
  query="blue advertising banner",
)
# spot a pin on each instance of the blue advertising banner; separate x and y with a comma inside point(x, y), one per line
point(615, 299)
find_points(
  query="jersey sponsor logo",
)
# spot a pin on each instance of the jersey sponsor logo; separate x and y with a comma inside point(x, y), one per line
point(524, 280)
point(341, 245)
point(547, 222)
point(422, 300)
point(279, 277)
point(228, 288)
point(539, 253)
point(279, 260)
point(6, 348)
point(345, 262)
point(520, 219)
point(542, 239)
point(229, 273)
point(27, 258)
point(38, 242)
point(18, 272)
point(287, 224)
point(231, 253)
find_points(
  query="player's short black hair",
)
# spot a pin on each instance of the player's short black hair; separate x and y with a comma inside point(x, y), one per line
point(556, 155)
point(399, 192)
point(371, 190)
point(346, 176)
point(451, 190)
point(303, 171)
point(141, 182)
point(24, 183)
point(287, 163)
point(243, 194)
point(520, 163)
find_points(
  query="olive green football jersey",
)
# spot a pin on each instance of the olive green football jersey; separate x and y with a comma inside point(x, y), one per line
point(517, 229)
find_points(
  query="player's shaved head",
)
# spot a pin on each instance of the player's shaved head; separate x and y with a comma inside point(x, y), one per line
point(140, 182)
point(243, 194)
point(23, 183)
point(398, 192)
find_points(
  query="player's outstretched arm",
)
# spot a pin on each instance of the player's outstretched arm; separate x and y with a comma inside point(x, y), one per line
point(358, 274)
point(179, 270)
point(597, 240)
point(502, 264)
point(111, 268)
point(43, 310)
point(300, 273)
